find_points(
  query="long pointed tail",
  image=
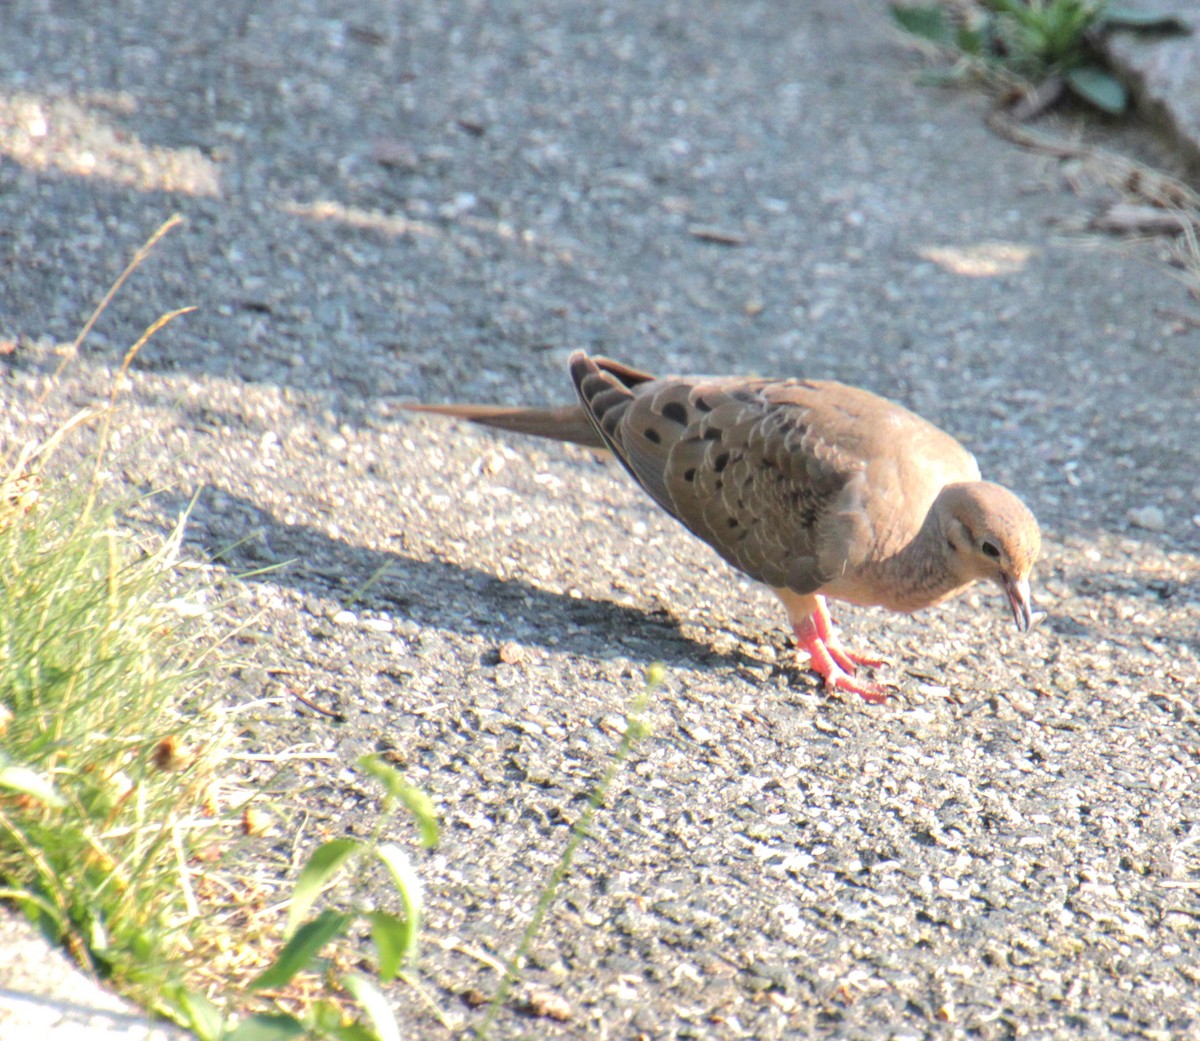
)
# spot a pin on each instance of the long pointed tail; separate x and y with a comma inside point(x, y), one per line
point(564, 423)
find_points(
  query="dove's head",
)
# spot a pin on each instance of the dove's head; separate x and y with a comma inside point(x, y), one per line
point(991, 535)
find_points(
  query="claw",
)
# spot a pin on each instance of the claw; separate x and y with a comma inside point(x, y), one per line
point(868, 690)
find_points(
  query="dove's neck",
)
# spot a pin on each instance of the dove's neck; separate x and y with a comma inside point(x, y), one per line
point(923, 573)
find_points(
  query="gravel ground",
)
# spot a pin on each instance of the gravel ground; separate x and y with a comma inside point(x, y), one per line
point(439, 200)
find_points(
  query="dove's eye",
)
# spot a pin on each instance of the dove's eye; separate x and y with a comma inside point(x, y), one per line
point(990, 549)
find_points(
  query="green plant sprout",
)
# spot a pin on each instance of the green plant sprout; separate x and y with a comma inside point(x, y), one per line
point(394, 935)
point(1051, 43)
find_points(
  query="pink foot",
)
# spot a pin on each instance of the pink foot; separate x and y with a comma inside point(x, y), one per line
point(832, 662)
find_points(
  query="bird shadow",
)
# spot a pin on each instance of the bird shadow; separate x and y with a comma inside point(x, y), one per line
point(257, 546)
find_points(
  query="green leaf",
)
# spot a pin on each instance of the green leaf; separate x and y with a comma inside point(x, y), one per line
point(1020, 12)
point(417, 802)
point(352, 1032)
point(204, 1019)
point(929, 23)
point(1132, 18)
point(408, 885)
point(327, 1019)
point(388, 776)
point(1098, 88)
point(267, 1026)
point(319, 869)
point(323, 1016)
point(29, 782)
point(393, 937)
point(969, 41)
point(304, 945)
point(421, 807)
point(376, 1006)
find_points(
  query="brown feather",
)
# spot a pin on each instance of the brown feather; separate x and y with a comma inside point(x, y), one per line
point(565, 423)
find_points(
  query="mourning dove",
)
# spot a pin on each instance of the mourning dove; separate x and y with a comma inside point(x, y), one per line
point(814, 488)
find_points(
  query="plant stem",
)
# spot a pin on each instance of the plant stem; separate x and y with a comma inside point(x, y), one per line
point(634, 731)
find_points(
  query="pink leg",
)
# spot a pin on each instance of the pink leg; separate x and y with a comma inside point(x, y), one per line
point(834, 664)
point(824, 628)
point(815, 636)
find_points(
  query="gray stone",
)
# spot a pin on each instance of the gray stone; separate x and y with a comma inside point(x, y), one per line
point(1163, 71)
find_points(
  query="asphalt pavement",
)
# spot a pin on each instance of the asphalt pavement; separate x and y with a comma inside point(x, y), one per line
point(437, 201)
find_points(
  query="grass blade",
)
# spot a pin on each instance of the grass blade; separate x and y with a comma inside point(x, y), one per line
point(421, 807)
point(30, 782)
point(393, 936)
point(635, 730)
point(376, 1006)
point(408, 885)
point(204, 1019)
point(320, 868)
point(416, 801)
point(301, 949)
point(268, 1026)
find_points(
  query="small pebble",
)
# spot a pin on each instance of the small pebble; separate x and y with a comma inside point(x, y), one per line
point(1150, 518)
point(1066, 681)
point(512, 653)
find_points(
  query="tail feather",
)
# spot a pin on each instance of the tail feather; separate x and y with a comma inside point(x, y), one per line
point(564, 423)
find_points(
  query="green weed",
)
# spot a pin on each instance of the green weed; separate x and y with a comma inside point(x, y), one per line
point(1050, 43)
point(117, 825)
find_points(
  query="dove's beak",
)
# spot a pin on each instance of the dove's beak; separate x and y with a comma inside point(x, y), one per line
point(1019, 599)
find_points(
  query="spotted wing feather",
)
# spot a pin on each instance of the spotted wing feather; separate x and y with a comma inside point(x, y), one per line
point(740, 470)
